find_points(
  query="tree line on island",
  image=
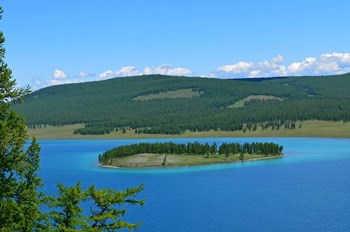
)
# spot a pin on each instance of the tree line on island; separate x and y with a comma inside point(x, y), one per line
point(266, 149)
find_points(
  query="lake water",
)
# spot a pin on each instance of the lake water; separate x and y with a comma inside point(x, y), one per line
point(307, 190)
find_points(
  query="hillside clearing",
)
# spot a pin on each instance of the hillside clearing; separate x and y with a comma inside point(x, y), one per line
point(180, 93)
point(241, 103)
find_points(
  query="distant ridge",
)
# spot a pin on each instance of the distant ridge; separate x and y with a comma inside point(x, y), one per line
point(258, 79)
point(174, 104)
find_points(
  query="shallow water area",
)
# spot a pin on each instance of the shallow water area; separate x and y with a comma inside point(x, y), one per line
point(307, 190)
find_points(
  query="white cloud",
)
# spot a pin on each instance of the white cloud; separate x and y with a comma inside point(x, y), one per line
point(237, 68)
point(255, 73)
point(58, 75)
point(123, 72)
point(278, 59)
point(330, 63)
point(341, 57)
point(58, 82)
point(242, 69)
point(107, 74)
point(164, 69)
point(325, 64)
point(127, 71)
point(167, 69)
point(179, 71)
point(84, 74)
point(334, 63)
point(302, 67)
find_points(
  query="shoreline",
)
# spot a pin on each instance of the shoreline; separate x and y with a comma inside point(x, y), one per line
point(309, 129)
point(199, 137)
point(189, 165)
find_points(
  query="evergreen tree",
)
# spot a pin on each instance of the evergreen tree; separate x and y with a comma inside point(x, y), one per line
point(213, 148)
point(19, 199)
point(68, 214)
point(104, 213)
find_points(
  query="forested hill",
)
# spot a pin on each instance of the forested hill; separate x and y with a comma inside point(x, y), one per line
point(168, 104)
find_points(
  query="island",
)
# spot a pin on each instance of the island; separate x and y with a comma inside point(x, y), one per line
point(172, 154)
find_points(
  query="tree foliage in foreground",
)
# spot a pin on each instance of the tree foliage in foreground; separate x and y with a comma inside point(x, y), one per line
point(105, 208)
point(267, 149)
point(19, 199)
point(21, 203)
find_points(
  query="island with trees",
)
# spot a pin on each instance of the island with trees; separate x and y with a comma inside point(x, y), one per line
point(172, 154)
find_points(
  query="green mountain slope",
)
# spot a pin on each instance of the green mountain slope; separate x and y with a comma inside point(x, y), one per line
point(167, 104)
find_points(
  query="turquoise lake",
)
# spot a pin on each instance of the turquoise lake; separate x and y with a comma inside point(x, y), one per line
point(307, 190)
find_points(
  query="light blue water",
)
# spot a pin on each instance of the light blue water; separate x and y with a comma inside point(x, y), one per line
point(307, 190)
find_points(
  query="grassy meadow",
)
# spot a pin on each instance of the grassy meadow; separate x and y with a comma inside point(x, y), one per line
point(312, 128)
point(181, 93)
point(241, 103)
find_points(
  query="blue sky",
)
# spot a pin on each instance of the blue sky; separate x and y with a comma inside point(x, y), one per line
point(54, 42)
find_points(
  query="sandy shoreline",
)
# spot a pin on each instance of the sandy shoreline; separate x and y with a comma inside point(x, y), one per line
point(174, 166)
